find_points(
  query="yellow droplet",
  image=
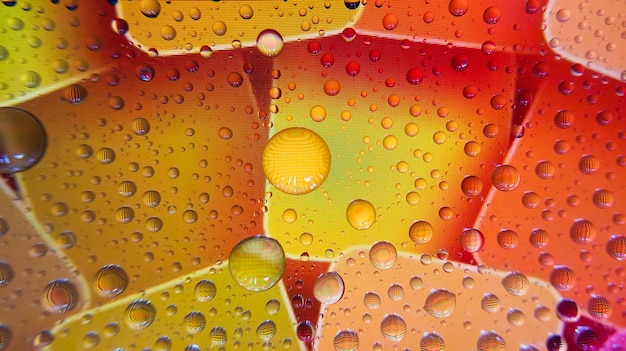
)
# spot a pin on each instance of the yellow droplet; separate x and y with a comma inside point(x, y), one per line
point(361, 214)
point(318, 113)
point(140, 314)
point(421, 232)
point(111, 280)
point(219, 28)
point(290, 215)
point(296, 161)
point(257, 263)
point(246, 11)
point(390, 142)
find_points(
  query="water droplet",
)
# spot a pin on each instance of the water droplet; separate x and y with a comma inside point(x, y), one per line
point(599, 307)
point(492, 15)
point(270, 43)
point(421, 232)
point(151, 198)
point(472, 148)
point(266, 330)
point(190, 216)
point(505, 178)
point(352, 4)
point(588, 164)
point(111, 280)
point(371, 300)
point(545, 170)
point(290, 215)
point(440, 303)
point(164, 343)
point(140, 314)
point(393, 327)
point(346, 340)
point(562, 278)
point(23, 140)
point(150, 8)
point(585, 338)
point(105, 155)
point(507, 239)
point(225, 133)
point(390, 21)
point(154, 224)
point(318, 113)
point(583, 232)
point(61, 296)
point(383, 255)
point(564, 119)
point(361, 214)
point(257, 263)
point(567, 311)
point(272, 306)
point(127, 188)
point(490, 303)
point(194, 322)
point(516, 283)
point(432, 341)
point(124, 214)
point(305, 331)
point(472, 240)
point(167, 33)
point(460, 62)
point(332, 87)
point(296, 161)
point(328, 288)
point(218, 336)
point(246, 12)
point(472, 186)
point(30, 79)
point(616, 247)
point(555, 342)
point(490, 341)
point(6, 274)
point(205, 290)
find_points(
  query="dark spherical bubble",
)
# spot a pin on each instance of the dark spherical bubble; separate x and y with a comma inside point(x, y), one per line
point(523, 97)
point(460, 62)
point(348, 34)
point(352, 4)
point(567, 310)
point(585, 338)
point(556, 342)
point(9, 3)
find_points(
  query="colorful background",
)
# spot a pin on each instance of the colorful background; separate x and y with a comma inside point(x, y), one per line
point(454, 182)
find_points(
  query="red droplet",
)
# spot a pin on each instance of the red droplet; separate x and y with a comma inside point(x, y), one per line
point(353, 68)
point(314, 47)
point(414, 76)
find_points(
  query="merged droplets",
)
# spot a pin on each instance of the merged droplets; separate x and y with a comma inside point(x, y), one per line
point(346, 340)
point(257, 263)
point(360, 214)
point(23, 140)
point(60, 296)
point(111, 280)
point(490, 341)
point(393, 327)
point(328, 288)
point(505, 178)
point(140, 314)
point(296, 161)
point(383, 255)
point(440, 303)
point(270, 43)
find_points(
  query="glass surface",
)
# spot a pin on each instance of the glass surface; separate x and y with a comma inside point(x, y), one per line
point(312, 175)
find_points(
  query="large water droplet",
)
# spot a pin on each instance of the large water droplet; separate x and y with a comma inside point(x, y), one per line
point(257, 263)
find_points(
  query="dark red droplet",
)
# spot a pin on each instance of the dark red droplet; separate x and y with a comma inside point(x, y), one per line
point(414, 76)
point(314, 47)
point(460, 62)
point(375, 55)
point(327, 60)
point(353, 68)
